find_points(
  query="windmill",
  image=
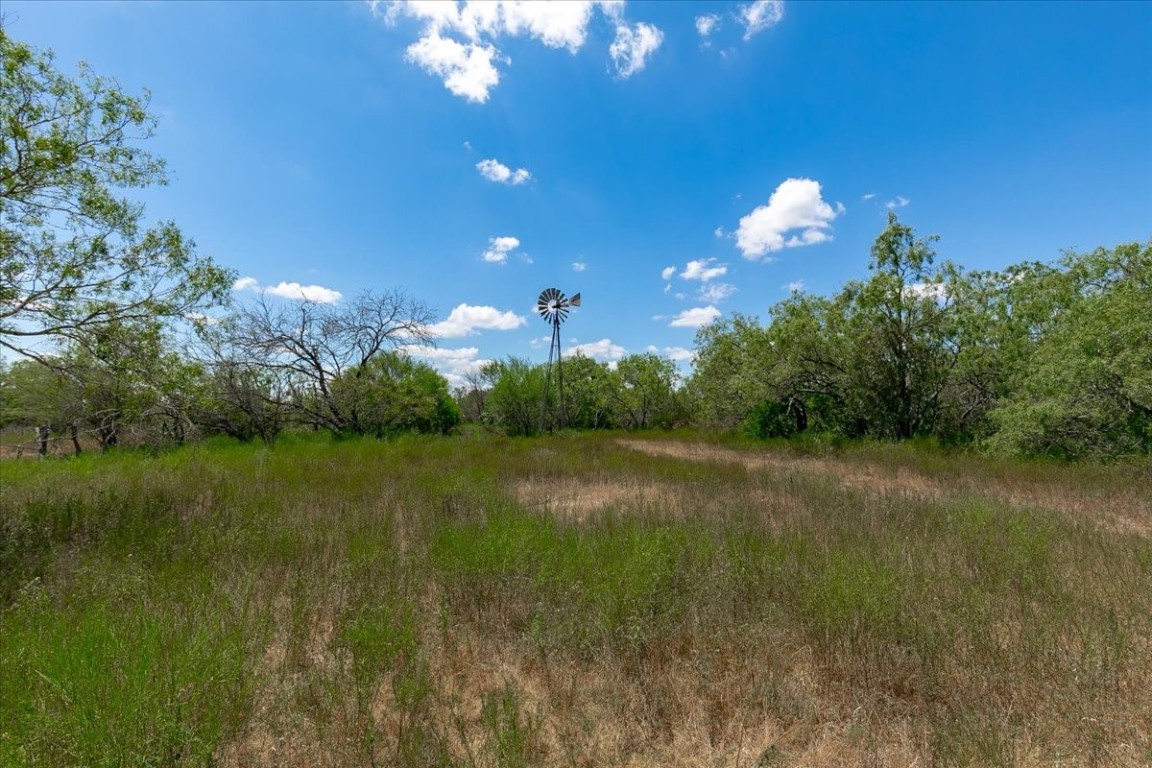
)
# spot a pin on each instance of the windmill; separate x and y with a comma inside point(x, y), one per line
point(553, 306)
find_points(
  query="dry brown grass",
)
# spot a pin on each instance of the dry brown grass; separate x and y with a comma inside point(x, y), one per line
point(1117, 509)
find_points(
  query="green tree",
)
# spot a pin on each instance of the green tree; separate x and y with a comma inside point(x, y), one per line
point(643, 392)
point(902, 338)
point(514, 401)
point(1084, 386)
point(587, 385)
point(392, 393)
point(75, 256)
point(729, 377)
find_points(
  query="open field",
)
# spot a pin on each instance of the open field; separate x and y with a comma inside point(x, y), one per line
point(573, 601)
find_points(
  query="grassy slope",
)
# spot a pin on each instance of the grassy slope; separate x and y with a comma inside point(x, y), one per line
point(572, 601)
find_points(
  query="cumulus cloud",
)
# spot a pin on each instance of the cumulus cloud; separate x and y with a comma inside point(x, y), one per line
point(317, 293)
point(797, 207)
point(290, 290)
point(499, 248)
point(696, 317)
point(597, 350)
point(796, 286)
point(719, 231)
point(760, 15)
point(899, 202)
point(667, 272)
point(466, 320)
point(701, 270)
point(452, 364)
point(579, 266)
point(494, 170)
point(716, 292)
point(632, 47)
point(458, 39)
point(466, 68)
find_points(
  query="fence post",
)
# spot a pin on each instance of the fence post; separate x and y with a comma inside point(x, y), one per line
point(42, 440)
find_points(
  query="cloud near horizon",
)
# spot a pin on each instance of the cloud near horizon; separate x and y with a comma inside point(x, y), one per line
point(289, 290)
point(466, 320)
point(597, 350)
point(695, 318)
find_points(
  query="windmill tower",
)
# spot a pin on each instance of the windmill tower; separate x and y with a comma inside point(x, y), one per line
point(553, 306)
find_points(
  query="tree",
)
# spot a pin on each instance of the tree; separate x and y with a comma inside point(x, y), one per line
point(515, 399)
point(74, 256)
point(587, 385)
point(730, 373)
point(302, 348)
point(902, 347)
point(643, 391)
point(1084, 387)
point(392, 393)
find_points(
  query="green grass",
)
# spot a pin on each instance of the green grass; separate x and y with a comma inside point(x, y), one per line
point(329, 602)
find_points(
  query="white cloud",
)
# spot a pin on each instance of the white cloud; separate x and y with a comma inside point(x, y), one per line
point(795, 205)
point(458, 39)
point(290, 290)
point(700, 270)
point(716, 292)
point(868, 196)
point(696, 317)
point(899, 202)
point(937, 291)
point(706, 25)
point(796, 286)
point(632, 47)
point(579, 266)
point(466, 320)
point(667, 272)
point(719, 231)
point(494, 170)
point(676, 354)
point(316, 293)
point(453, 364)
point(499, 248)
point(466, 68)
point(760, 15)
point(597, 350)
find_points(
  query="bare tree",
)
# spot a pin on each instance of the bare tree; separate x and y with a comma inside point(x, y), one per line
point(305, 346)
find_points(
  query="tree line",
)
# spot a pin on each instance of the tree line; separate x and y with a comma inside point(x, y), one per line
point(106, 326)
point(1037, 358)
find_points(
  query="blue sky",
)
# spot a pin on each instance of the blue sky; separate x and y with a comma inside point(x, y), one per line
point(672, 162)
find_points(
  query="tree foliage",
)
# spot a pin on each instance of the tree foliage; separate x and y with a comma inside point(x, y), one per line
point(1036, 358)
point(75, 255)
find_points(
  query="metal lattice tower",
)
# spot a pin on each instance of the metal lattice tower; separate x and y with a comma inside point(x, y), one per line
point(553, 306)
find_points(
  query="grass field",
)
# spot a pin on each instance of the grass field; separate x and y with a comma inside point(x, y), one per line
point(585, 600)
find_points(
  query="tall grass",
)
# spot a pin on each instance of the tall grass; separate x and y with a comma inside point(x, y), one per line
point(571, 601)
